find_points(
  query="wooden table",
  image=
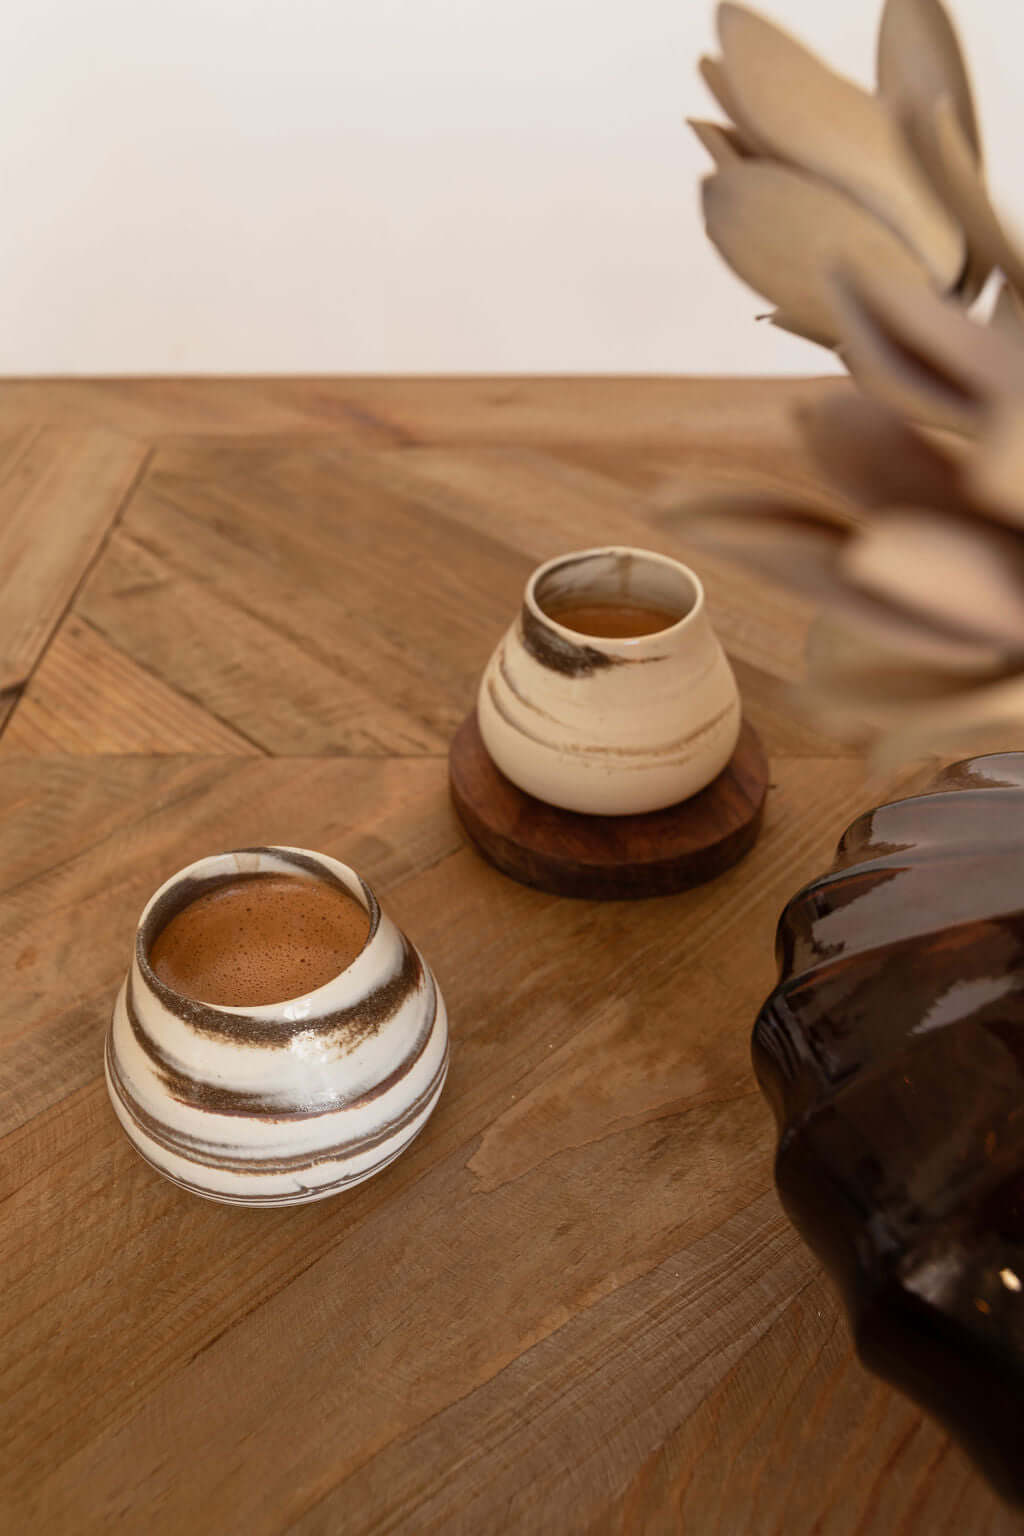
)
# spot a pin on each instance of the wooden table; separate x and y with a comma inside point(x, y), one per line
point(241, 612)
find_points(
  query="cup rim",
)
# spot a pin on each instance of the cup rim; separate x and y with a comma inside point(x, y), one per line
point(201, 868)
point(601, 642)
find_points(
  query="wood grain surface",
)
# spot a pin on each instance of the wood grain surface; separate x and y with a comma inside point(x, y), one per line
point(237, 612)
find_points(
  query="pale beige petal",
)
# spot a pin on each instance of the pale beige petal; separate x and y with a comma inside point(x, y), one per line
point(788, 101)
point(723, 144)
point(801, 549)
point(859, 689)
point(947, 157)
point(960, 572)
point(989, 718)
point(895, 728)
point(920, 353)
point(980, 361)
point(782, 232)
point(975, 275)
point(871, 454)
point(795, 547)
point(904, 640)
point(904, 383)
point(714, 78)
point(785, 322)
point(920, 60)
point(996, 470)
point(854, 661)
point(1008, 316)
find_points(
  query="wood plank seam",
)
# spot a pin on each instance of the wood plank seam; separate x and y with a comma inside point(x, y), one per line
point(578, 1306)
point(175, 688)
point(414, 1432)
point(276, 623)
point(84, 853)
point(87, 570)
point(402, 436)
point(23, 452)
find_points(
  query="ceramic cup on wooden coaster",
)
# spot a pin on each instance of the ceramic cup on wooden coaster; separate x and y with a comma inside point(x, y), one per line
point(610, 693)
point(245, 1098)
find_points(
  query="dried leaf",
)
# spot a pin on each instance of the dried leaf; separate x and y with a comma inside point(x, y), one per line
point(951, 727)
point(848, 212)
point(1008, 316)
point(954, 571)
point(859, 692)
point(949, 161)
point(767, 509)
point(920, 60)
point(791, 546)
point(801, 551)
point(908, 639)
point(874, 457)
point(782, 232)
point(714, 78)
point(973, 279)
point(787, 100)
point(920, 353)
point(724, 145)
point(785, 322)
point(996, 472)
point(855, 663)
point(802, 548)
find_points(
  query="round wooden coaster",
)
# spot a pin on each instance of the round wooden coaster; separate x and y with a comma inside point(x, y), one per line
point(608, 857)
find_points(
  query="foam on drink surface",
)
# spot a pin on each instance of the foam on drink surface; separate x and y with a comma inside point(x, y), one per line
point(260, 939)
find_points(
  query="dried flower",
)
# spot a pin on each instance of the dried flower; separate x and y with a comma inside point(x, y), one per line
point(921, 635)
point(813, 169)
point(866, 220)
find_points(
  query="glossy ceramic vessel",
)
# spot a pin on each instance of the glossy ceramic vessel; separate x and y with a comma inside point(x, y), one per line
point(287, 1102)
point(610, 727)
point(892, 1051)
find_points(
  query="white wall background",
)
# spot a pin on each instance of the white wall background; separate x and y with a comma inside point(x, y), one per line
point(392, 185)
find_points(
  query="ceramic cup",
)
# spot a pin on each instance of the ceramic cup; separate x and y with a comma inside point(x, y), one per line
point(610, 727)
point(286, 1102)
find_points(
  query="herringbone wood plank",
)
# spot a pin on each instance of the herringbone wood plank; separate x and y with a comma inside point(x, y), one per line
point(255, 610)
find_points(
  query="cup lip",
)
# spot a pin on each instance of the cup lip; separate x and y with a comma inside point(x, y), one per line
point(212, 864)
point(606, 642)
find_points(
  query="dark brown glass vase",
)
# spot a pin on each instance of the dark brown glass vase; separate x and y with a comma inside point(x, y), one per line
point(892, 1052)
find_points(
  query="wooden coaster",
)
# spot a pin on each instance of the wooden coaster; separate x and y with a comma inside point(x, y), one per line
point(608, 857)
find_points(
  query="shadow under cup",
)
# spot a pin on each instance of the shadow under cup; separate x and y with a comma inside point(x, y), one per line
point(285, 1102)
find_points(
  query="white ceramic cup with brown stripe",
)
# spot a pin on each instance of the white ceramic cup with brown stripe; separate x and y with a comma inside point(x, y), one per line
point(610, 725)
point(286, 1102)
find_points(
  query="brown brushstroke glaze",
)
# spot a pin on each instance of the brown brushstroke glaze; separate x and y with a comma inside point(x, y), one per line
point(210, 1155)
point(219, 1099)
point(557, 652)
point(346, 1026)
